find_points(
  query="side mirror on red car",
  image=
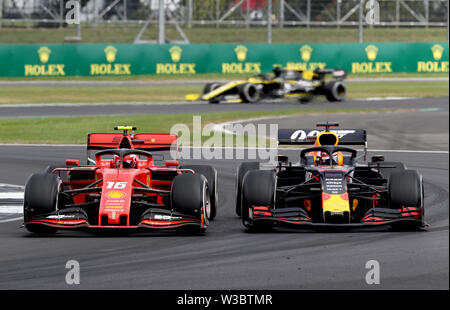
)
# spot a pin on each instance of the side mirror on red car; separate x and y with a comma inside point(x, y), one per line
point(72, 162)
point(172, 163)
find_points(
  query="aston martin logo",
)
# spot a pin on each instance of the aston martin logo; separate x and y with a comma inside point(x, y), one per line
point(44, 54)
point(306, 52)
point(241, 52)
point(175, 53)
point(438, 51)
point(110, 52)
point(372, 52)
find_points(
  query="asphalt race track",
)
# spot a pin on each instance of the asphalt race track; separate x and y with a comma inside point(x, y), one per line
point(228, 257)
point(33, 110)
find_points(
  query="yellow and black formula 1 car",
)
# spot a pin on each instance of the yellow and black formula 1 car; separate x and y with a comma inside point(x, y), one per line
point(282, 83)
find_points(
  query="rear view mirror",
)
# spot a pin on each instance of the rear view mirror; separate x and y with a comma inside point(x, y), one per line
point(72, 162)
point(172, 163)
point(377, 158)
point(282, 158)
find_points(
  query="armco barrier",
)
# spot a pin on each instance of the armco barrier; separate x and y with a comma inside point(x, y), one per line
point(133, 59)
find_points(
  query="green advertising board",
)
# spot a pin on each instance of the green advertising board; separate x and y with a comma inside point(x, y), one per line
point(134, 59)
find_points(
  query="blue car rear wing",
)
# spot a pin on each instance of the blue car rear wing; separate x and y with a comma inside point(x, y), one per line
point(309, 136)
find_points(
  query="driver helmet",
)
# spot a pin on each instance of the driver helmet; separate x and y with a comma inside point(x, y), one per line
point(324, 159)
point(130, 161)
point(277, 71)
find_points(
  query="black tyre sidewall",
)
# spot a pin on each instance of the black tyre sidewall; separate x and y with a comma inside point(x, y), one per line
point(242, 169)
point(210, 173)
point(244, 94)
point(331, 92)
point(405, 189)
point(209, 87)
point(258, 189)
point(41, 197)
point(187, 194)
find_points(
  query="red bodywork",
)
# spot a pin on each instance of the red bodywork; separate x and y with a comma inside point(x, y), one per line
point(117, 196)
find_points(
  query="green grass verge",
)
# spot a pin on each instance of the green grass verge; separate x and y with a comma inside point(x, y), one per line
point(206, 76)
point(33, 94)
point(126, 34)
point(398, 89)
point(73, 130)
point(15, 95)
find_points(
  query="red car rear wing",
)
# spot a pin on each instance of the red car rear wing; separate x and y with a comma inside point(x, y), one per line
point(159, 142)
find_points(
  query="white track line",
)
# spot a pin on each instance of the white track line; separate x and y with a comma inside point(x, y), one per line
point(11, 220)
point(146, 103)
point(8, 201)
point(389, 98)
point(11, 195)
point(18, 209)
point(11, 186)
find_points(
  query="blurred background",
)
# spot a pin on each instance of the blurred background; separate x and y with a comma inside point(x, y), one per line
point(223, 21)
point(182, 45)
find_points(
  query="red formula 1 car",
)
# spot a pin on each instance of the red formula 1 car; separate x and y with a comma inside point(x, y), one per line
point(122, 186)
point(328, 187)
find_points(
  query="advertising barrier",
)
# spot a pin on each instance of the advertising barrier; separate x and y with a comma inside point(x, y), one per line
point(56, 60)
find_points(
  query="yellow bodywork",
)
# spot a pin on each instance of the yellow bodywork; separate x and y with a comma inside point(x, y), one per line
point(222, 89)
point(124, 127)
point(307, 75)
point(192, 97)
point(335, 203)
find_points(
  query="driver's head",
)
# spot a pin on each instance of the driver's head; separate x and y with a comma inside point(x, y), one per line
point(130, 161)
point(324, 159)
point(277, 71)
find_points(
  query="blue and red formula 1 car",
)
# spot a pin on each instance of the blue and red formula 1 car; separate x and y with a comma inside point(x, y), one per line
point(328, 187)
